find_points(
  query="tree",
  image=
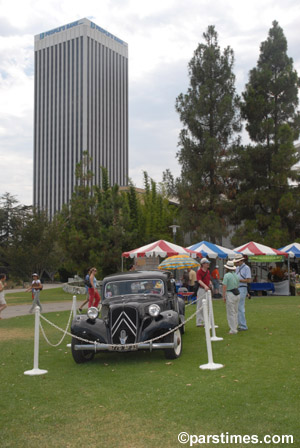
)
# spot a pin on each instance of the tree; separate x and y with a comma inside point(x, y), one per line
point(101, 222)
point(209, 112)
point(157, 212)
point(34, 248)
point(12, 218)
point(78, 230)
point(113, 222)
point(265, 172)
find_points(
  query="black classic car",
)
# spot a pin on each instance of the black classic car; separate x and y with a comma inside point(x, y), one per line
point(137, 307)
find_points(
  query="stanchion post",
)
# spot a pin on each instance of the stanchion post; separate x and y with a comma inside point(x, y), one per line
point(210, 365)
point(74, 306)
point(74, 311)
point(210, 311)
point(212, 319)
point(36, 370)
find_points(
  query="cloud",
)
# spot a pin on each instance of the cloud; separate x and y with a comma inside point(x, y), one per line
point(162, 37)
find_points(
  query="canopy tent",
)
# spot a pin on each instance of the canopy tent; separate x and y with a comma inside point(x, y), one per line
point(292, 249)
point(159, 248)
point(253, 249)
point(211, 250)
point(260, 253)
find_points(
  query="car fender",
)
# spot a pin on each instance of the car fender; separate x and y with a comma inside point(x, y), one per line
point(181, 306)
point(86, 328)
point(164, 322)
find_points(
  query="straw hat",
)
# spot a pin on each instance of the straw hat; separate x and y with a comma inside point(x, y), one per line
point(230, 265)
point(239, 257)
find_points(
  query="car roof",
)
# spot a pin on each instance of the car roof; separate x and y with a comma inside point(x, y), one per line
point(138, 275)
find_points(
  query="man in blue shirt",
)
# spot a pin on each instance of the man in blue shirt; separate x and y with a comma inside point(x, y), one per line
point(244, 273)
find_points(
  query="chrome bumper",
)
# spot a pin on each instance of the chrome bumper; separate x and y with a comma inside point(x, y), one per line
point(124, 348)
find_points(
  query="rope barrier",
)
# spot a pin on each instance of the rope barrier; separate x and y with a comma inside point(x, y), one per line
point(50, 323)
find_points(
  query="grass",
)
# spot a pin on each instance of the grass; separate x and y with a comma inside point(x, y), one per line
point(141, 400)
point(47, 295)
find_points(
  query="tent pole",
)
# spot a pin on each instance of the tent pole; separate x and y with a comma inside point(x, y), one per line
point(289, 279)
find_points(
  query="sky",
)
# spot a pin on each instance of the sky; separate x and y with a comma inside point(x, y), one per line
point(162, 37)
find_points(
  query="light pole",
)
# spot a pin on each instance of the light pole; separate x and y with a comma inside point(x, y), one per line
point(174, 228)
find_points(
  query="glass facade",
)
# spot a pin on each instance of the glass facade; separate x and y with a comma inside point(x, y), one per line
point(80, 104)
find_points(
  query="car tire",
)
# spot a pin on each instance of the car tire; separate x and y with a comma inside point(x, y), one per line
point(174, 353)
point(81, 356)
point(182, 328)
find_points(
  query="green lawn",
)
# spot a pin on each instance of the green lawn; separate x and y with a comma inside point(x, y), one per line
point(141, 400)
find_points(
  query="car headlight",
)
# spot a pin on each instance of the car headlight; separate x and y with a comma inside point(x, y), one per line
point(154, 310)
point(92, 313)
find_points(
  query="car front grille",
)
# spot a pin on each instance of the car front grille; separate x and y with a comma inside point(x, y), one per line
point(124, 325)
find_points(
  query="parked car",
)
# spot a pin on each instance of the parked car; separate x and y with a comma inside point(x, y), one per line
point(136, 307)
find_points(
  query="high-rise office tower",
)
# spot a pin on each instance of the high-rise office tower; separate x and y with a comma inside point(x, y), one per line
point(80, 104)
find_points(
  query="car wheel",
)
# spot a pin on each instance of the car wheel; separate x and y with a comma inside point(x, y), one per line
point(175, 352)
point(81, 356)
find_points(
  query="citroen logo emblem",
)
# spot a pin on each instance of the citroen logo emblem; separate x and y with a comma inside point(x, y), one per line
point(123, 337)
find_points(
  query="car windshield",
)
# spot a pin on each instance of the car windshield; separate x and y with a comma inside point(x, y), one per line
point(130, 287)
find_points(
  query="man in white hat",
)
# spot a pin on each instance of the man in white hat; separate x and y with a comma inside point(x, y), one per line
point(204, 282)
point(244, 273)
point(36, 286)
point(231, 296)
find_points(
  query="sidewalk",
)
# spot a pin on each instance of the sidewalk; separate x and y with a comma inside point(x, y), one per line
point(45, 286)
point(23, 310)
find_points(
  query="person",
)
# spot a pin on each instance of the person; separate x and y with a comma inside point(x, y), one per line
point(3, 303)
point(192, 281)
point(132, 267)
point(244, 273)
point(185, 279)
point(94, 297)
point(216, 281)
point(231, 296)
point(204, 282)
point(35, 288)
point(172, 283)
point(86, 285)
point(270, 274)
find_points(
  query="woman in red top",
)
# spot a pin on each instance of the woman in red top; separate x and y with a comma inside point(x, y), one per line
point(94, 297)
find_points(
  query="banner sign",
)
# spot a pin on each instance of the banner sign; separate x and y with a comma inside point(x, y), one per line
point(266, 258)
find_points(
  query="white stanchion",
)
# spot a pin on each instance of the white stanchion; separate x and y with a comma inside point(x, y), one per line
point(210, 365)
point(74, 306)
point(210, 311)
point(214, 337)
point(36, 370)
point(74, 311)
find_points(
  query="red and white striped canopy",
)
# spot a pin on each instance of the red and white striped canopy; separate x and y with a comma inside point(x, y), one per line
point(253, 248)
point(159, 248)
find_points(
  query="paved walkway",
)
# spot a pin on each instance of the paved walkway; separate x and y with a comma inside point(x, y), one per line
point(22, 310)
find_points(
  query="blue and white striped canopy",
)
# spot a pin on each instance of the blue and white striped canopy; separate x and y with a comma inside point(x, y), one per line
point(292, 249)
point(211, 250)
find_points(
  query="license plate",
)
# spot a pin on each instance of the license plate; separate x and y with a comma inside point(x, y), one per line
point(123, 348)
